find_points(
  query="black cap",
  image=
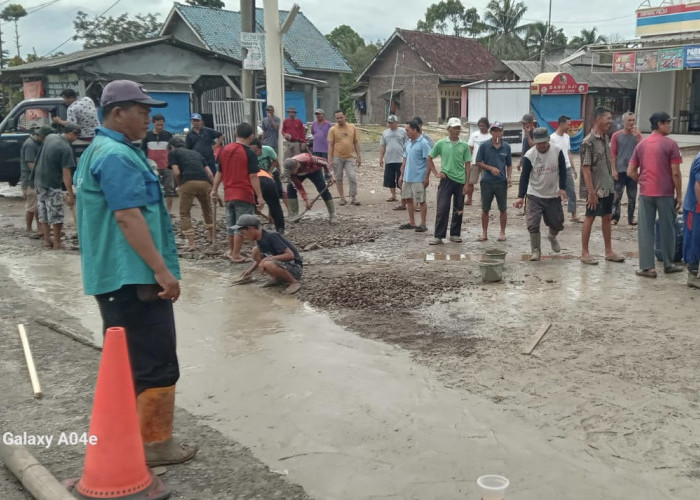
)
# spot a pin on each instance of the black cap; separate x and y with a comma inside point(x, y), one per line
point(658, 117)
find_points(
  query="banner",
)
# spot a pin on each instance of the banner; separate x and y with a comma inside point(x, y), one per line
point(691, 56)
point(548, 108)
point(670, 59)
point(624, 62)
point(647, 60)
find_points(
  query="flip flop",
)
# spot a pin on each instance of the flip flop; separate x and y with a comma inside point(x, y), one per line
point(615, 258)
point(501, 238)
point(242, 261)
point(271, 283)
point(591, 261)
point(481, 238)
point(646, 273)
point(293, 288)
point(243, 281)
point(400, 207)
point(391, 199)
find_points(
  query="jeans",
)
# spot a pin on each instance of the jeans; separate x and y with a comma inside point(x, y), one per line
point(318, 181)
point(268, 188)
point(190, 190)
point(623, 183)
point(648, 208)
point(449, 193)
point(570, 191)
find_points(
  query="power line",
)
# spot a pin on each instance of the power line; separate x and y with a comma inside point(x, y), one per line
point(37, 8)
point(71, 37)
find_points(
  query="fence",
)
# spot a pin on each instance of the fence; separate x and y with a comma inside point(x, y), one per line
point(228, 114)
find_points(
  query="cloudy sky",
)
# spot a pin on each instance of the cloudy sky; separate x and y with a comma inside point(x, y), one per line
point(48, 27)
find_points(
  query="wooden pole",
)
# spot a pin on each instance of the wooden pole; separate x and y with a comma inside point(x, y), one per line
point(30, 362)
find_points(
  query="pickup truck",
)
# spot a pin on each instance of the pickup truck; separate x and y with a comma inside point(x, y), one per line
point(14, 130)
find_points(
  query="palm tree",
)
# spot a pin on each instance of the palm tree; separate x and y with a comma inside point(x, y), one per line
point(535, 39)
point(502, 22)
point(587, 37)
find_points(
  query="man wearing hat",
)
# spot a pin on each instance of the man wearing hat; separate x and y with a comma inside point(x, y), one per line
point(319, 130)
point(656, 166)
point(271, 127)
point(274, 255)
point(27, 161)
point(455, 159)
point(129, 259)
point(391, 148)
point(496, 165)
point(543, 180)
point(294, 133)
point(203, 140)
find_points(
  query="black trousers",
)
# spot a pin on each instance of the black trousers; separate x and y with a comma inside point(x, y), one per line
point(450, 193)
point(319, 182)
point(150, 334)
point(268, 188)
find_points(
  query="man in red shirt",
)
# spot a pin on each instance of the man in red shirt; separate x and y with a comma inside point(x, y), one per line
point(239, 172)
point(655, 165)
point(294, 133)
point(307, 166)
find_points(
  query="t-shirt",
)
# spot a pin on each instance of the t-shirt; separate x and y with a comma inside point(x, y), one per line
point(690, 203)
point(621, 147)
point(563, 142)
point(238, 161)
point(654, 157)
point(273, 243)
point(320, 133)
point(544, 174)
point(28, 154)
point(595, 152)
point(416, 154)
point(343, 140)
point(430, 140)
point(476, 139)
point(84, 114)
point(113, 174)
point(203, 142)
point(266, 159)
point(55, 155)
point(295, 128)
point(495, 157)
point(270, 133)
point(156, 147)
point(394, 141)
point(190, 163)
point(453, 156)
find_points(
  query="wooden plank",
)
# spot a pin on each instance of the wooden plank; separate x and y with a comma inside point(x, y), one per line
point(535, 339)
point(30, 362)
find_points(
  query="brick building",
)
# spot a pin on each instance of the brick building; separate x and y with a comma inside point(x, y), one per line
point(425, 71)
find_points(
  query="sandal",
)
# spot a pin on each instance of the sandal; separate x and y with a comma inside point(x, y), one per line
point(591, 261)
point(391, 199)
point(293, 288)
point(646, 273)
point(400, 207)
point(615, 258)
point(355, 202)
point(343, 202)
point(406, 226)
point(481, 237)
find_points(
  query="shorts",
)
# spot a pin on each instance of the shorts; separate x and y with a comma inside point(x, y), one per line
point(392, 171)
point(291, 267)
point(50, 205)
point(234, 209)
point(414, 191)
point(605, 207)
point(167, 180)
point(489, 190)
point(474, 174)
point(30, 200)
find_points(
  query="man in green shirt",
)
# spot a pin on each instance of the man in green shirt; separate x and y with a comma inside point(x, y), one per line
point(129, 259)
point(455, 159)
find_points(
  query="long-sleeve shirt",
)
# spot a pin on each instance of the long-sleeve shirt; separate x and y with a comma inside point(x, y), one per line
point(541, 172)
point(308, 164)
point(295, 128)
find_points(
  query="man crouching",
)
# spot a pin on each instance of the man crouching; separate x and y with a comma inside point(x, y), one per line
point(273, 254)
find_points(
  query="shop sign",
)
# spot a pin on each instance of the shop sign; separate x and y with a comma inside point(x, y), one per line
point(691, 56)
point(624, 62)
point(670, 59)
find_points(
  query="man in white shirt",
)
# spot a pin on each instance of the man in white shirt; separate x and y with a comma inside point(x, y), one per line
point(475, 140)
point(562, 140)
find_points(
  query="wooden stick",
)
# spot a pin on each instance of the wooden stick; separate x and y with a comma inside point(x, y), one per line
point(34, 476)
point(30, 362)
point(535, 339)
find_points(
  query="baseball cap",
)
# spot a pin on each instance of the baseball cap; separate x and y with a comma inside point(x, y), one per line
point(245, 221)
point(196, 116)
point(497, 125)
point(42, 131)
point(291, 108)
point(392, 118)
point(527, 118)
point(454, 122)
point(319, 111)
point(126, 90)
point(540, 134)
point(658, 117)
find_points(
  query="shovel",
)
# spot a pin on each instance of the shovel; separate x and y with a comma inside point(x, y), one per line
point(297, 218)
point(214, 203)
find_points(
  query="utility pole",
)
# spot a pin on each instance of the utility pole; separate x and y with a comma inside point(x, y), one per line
point(546, 38)
point(247, 83)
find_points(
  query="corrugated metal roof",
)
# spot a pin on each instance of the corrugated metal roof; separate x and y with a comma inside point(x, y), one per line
point(304, 46)
point(596, 77)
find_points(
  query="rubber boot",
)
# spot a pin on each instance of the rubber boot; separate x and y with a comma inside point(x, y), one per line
point(293, 206)
point(535, 246)
point(156, 407)
point(556, 247)
point(331, 210)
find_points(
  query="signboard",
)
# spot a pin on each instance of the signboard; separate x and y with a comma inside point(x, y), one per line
point(668, 19)
point(670, 59)
point(252, 40)
point(253, 60)
point(647, 60)
point(557, 84)
point(691, 56)
point(624, 62)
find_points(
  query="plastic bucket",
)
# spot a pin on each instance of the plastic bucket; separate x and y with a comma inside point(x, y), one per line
point(491, 270)
point(495, 253)
point(493, 487)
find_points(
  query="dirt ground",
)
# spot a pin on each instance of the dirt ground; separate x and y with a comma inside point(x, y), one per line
point(617, 370)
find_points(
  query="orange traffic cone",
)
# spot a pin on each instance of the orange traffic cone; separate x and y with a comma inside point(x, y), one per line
point(115, 463)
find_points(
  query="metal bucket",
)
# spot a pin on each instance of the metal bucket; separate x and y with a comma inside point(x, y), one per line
point(491, 270)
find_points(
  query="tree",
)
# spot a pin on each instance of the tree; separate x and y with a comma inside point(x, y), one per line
point(587, 37)
point(442, 16)
point(14, 12)
point(535, 39)
point(110, 30)
point(505, 31)
point(216, 4)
